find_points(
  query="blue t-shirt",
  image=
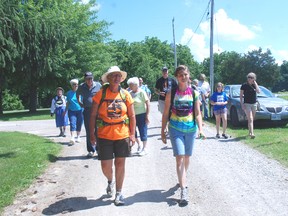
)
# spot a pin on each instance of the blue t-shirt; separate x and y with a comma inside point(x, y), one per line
point(73, 102)
point(219, 97)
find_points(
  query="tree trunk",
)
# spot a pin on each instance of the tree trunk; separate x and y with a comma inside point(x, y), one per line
point(33, 99)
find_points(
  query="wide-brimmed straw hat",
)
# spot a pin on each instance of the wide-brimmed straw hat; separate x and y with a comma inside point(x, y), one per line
point(114, 69)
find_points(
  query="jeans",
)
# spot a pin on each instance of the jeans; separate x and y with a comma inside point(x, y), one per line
point(205, 107)
point(86, 113)
point(142, 126)
point(76, 120)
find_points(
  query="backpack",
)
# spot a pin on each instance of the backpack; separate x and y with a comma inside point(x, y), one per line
point(99, 121)
point(173, 92)
point(59, 101)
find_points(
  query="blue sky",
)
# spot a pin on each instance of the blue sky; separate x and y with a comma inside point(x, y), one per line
point(240, 25)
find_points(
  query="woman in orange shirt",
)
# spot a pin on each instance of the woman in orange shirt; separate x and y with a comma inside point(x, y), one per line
point(113, 114)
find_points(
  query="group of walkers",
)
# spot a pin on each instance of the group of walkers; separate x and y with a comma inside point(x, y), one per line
point(111, 114)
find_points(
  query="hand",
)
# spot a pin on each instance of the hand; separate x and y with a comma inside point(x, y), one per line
point(202, 135)
point(52, 114)
point(132, 139)
point(163, 137)
point(162, 94)
point(147, 120)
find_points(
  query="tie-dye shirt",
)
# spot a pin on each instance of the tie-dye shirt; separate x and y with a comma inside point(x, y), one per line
point(182, 111)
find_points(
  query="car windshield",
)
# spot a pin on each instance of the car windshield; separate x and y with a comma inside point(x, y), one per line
point(264, 93)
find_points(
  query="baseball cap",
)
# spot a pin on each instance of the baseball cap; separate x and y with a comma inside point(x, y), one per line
point(88, 75)
point(164, 68)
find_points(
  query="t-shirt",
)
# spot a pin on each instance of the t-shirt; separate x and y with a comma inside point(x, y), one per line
point(164, 85)
point(140, 97)
point(219, 97)
point(205, 86)
point(182, 118)
point(112, 110)
point(87, 94)
point(249, 93)
point(146, 89)
point(73, 102)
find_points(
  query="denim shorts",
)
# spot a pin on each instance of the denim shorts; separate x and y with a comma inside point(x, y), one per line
point(108, 149)
point(182, 143)
point(220, 111)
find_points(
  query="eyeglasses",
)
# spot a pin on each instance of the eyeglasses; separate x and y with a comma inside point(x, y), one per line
point(74, 84)
point(116, 75)
point(250, 77)
point(219, 86)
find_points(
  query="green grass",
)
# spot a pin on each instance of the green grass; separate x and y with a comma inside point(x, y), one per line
point(23, 157)
point(283, 95)
point(41, 114)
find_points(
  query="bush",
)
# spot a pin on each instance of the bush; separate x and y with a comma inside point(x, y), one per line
point(11, 101)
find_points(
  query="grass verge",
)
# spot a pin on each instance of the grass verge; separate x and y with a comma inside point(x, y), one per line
point(41, 114)
point(23, 157)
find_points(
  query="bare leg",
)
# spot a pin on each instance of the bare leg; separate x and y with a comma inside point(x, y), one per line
point(224, 122)
point(107, 169)
point(181, 170)
point(218, 120)
point(119, 172)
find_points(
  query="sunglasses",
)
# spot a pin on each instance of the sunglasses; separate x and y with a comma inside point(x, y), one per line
point(250, 77)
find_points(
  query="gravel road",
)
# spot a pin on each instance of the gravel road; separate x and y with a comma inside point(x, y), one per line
point(225, 178)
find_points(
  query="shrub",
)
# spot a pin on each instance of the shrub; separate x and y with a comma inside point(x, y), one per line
point(11, 101)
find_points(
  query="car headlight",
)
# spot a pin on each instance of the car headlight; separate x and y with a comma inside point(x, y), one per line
point(286, 109)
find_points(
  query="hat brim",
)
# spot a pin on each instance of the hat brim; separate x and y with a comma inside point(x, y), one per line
point(104, 76)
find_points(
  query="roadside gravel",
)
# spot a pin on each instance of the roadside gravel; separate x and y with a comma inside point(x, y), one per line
point(225, 178)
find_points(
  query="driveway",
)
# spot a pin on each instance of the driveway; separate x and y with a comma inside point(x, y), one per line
point(225, 178)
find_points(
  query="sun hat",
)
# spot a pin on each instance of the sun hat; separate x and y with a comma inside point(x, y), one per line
point(114, 69)
point(74, 81)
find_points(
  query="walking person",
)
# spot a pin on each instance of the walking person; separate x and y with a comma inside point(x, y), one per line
point(144, 87)
point(249, 91)
point(162, 86)
point(58, 106)
point(205, 86)
point(85, 93)
point(141, 108)
point(113, 108)
point(75, 113)
point(185, 121)
point(219, 101)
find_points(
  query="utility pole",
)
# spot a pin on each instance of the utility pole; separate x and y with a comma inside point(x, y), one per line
point(211, 47)
point(175, 53)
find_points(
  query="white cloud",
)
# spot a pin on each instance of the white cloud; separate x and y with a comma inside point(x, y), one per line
point(225, 28)
point(95, 7)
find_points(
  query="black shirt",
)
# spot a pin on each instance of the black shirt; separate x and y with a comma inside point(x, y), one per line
point(164, 85)
point(250, 95)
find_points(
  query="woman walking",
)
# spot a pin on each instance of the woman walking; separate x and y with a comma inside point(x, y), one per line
point(185, 112)
point(248, 91)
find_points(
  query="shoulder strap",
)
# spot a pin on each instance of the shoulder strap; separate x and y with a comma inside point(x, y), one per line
point(193, 95)
point(173, 92)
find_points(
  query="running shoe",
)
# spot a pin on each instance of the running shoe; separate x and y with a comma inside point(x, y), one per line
point(110, 189)
point(217, 136)
point(184, 196)
point(225, 136)
point(119, 199)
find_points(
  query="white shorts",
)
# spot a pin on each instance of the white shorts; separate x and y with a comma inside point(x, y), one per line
point(161, 106)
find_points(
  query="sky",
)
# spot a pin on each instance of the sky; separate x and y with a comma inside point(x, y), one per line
point(239, 25)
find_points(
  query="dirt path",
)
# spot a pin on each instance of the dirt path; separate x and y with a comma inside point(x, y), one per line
point(225, 178)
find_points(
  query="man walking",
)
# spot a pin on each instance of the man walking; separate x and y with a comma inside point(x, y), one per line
point(205, 86)
point(85, 93)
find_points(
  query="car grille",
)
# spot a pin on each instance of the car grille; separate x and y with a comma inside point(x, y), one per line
point(274, 109)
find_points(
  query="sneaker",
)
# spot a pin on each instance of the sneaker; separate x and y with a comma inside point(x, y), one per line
point(90, 154)
point(78, 139)
point(119, 199)
point(143, 152)
point(217, 136)
point(72, 141)
point(252, 136)
point(63, 134)
point(110, 189)
point(225, 136)
point(184, 196)
point(139, 149)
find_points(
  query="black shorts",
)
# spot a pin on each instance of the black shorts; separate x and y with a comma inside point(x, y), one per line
point(108, 149)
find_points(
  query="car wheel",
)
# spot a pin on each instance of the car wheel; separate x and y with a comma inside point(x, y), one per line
point(234, 117)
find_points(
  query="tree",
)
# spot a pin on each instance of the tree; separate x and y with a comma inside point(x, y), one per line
point(282, 83)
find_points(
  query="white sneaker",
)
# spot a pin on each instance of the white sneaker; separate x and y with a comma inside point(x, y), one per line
point(72, 141)
point(139, 149)
point(143, 152)
point(90, 154)
point(78, 139)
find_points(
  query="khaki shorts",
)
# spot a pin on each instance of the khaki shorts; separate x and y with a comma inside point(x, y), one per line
point(250, 107)
point(161, 106)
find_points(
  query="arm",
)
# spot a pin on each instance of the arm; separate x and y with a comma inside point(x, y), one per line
point(52, 108)
point(198, 117)
point(241, 99)
point(92, 123)
point(257, 87)
point(147, 111)
point(165, 116)
point(132, 123)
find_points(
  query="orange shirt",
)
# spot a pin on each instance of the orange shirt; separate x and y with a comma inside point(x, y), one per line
point(112, 111)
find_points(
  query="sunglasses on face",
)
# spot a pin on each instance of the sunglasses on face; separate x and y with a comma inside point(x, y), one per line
point(250, 77)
